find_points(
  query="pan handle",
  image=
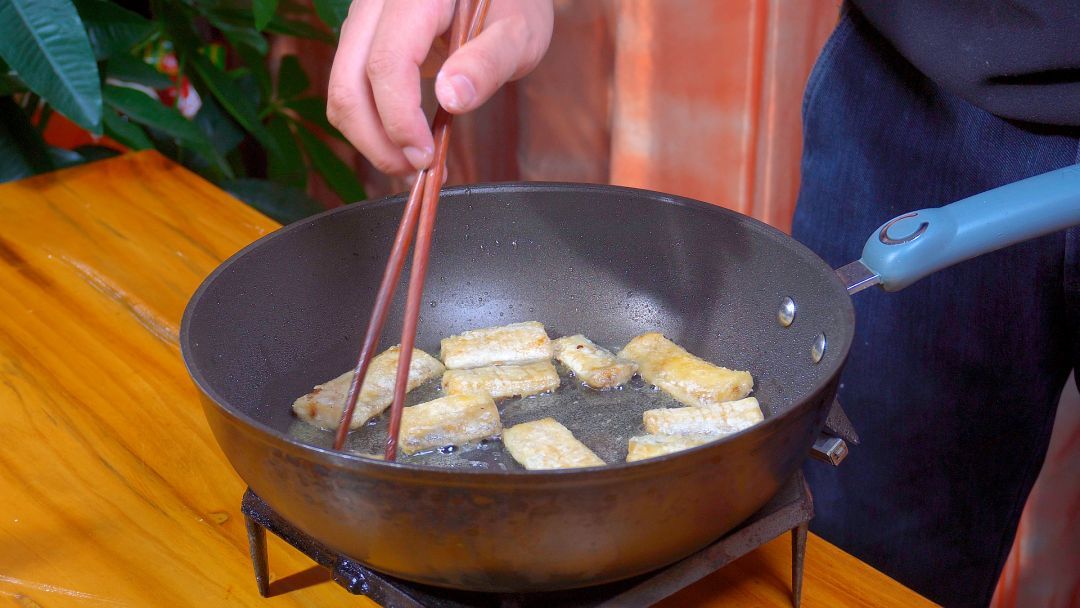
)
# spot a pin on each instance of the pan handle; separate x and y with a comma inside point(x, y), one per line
point(914, 245)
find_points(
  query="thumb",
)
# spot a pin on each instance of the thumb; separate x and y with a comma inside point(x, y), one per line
point(472, 74)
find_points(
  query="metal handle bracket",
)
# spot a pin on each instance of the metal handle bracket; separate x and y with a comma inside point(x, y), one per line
point(829, 449)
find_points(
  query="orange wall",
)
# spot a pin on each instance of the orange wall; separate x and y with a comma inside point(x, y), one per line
point(707, 98)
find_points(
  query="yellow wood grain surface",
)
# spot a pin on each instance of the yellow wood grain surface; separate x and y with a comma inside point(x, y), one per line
point(112, 489)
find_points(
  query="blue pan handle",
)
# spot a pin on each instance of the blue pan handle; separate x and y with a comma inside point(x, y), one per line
point(914, 245)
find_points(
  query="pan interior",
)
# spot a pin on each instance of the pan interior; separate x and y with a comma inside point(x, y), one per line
point(289, 311)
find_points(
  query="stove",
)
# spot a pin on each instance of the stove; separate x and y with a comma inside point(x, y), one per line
point(789, 511)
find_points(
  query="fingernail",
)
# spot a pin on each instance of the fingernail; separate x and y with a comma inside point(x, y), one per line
point(456, 91)
point(418, 158)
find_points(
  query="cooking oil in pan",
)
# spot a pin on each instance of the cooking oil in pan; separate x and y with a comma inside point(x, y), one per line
point(604, 420)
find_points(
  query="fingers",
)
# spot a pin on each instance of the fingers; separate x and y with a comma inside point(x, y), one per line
point(349, 105)
point(405, 33)
point(508, 48)
point(374, 93)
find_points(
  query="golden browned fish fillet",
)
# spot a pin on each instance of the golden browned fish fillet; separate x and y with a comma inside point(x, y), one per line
point(546, 444)
point(651, 446)
point(593, 365)
point(513, 344)
point(720, 419)
point(323, 405)
point(687, 378)
point(452, 420)
point(501, 381)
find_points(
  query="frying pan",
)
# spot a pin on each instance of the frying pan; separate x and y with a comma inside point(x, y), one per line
point(286, 313)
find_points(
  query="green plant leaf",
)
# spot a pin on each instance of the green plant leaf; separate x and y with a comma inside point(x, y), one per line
point(112, 29)
point(313, 110)
point(44, 41)
point(22, 152)
point(288, 167)
point(257, 65)
point(278, 23)
point(284, 204)
point(223, 133)
point(337, 174)
point(13, 165)
point(127, 133)
point(9, 81)
point(264, 12)
point(132, 69)
point(292, 81)
point(146, 110)
point(299, 29)
point(332, 12)
point(63, 158)
point(177, 23)
point(245, 79)
point(243, 34)
point(233, 98)
point(94, 153)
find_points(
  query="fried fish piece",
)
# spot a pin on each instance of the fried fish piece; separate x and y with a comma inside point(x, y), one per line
point(451, 420)
point(651, 446)
point(689, 379)
point(501, 381)
point(546, 444)
point(513, 344)
point(720, 419)
point(325, 403)
point(594, 365)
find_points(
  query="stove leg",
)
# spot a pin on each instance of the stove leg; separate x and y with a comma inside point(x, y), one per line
point(257, 543)
point(798, 558)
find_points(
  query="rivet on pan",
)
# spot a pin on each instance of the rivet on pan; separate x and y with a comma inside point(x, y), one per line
point(787, 312)
point(817, 349)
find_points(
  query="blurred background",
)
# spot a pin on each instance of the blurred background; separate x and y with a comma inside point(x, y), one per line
point(694, 97)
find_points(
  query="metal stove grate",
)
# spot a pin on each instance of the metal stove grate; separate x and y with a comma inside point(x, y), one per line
point(789, 511)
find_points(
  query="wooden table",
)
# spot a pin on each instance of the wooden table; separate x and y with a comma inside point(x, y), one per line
point(113, 491)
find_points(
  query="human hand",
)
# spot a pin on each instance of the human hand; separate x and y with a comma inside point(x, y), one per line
point(374, 93)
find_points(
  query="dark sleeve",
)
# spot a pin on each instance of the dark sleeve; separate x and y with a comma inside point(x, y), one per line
point(1018, 59)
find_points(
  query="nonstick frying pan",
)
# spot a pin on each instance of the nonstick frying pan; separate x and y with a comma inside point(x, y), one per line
point(286, 313)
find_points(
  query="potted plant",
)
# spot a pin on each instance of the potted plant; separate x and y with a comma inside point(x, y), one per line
point(193, 79)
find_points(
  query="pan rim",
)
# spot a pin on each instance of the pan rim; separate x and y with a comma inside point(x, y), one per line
point(585, 474)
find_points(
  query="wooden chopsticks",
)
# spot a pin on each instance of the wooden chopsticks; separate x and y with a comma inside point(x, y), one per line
point(419, 218)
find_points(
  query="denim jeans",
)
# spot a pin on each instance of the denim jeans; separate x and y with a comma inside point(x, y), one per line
point(952, 383)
